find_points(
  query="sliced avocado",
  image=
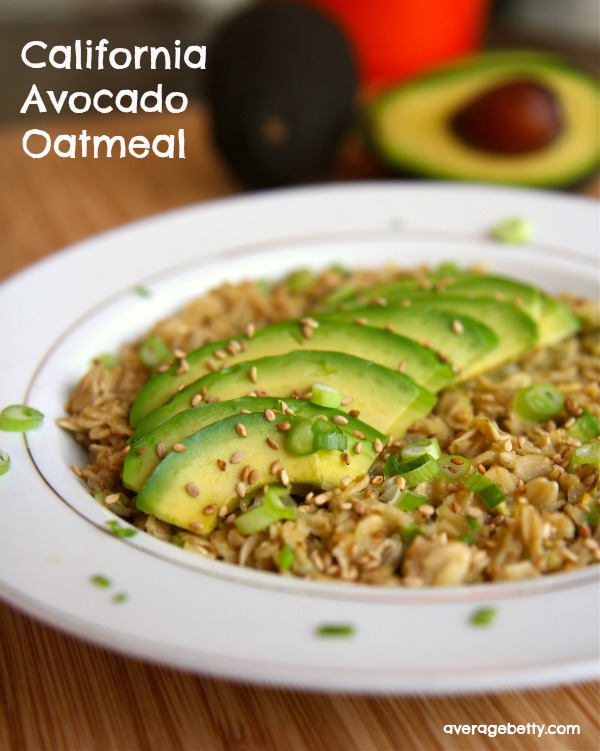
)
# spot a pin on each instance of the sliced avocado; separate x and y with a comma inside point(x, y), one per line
point(412, 127)
point(468, 284)
point(386, 399)
point(382, 347)
point(436, 329)
point(516, 331)
point(189, 488)
point(557, 321)
point(143, 457)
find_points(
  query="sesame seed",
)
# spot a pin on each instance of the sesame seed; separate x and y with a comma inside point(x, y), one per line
point(112, 498)
point(197, 526)
point(213, 399)
point(401, 366)
point(220, 354)
point(521, 441)
point(354, 413)
point(321, 499)
point(141, 451)
point(378, 445)
point(424, 342)
point(481, 469)
point(210, 509)
point(345, 481)
point(360, 321)
point(346, 506)
point(273, 444)
point(457, 326)
point(179, 353)
point(254, 374)
point(340, 420)
point(233, 347)
point(196, 400)
point(237, 457)
point(359, 434)
point(457, 460)
point(377, 480)
point(347, 400)
point(284, 477)
point(240, 429)
point(508, 445)
point(245, 412)
point(222, 464)
point(126, 450)
point(211, 365)
point(406, 303)
point(192, 489)
point(181, 387)
point(250, 330)
point(276, 467)
point(307, 332)
point(161, 451)
point(358, 447)
point(244, 473)
point(400, 482)
point(283, 426)
point(240, 489)
point(223, 511)
point(345, 457)
point(269, 415)
point(253, 477)
point(183, 368)
point(179, 448)
point(427, 509)
point(163, 368)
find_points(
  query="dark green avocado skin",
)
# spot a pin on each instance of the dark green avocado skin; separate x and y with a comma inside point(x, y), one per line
point(281, 90)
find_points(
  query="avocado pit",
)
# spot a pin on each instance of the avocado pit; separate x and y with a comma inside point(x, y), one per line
point(517, 117)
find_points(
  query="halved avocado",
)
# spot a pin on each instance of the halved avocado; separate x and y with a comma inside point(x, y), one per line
point(412, 127)
point(435, 329)
point(189, 488)
point(386, 399)
point(380, 346)
point(143, 457)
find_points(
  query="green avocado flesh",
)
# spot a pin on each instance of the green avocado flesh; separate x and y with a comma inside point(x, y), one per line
point(435, 327)
point(166, 493)
point(515, 330)
point(380, 346)
point(386, 399)
point(142, 458)
point(411, 128)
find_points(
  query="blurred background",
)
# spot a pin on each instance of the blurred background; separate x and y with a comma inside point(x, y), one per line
point(569, 26)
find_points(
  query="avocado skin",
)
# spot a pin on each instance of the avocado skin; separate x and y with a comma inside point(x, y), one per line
point(281, 87)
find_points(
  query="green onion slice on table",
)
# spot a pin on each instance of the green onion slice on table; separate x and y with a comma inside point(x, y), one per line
point(19, 418)
point(489, 491)
point(276, 506)
point(4, 462)
point(540, 401)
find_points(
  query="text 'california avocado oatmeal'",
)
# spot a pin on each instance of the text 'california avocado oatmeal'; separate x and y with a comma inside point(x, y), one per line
point(397, 428)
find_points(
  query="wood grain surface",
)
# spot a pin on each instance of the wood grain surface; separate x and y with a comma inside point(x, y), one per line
point(58, 692)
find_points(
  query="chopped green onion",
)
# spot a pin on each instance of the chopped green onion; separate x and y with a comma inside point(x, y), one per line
point(324, 426)
point(119, 531)
point(409, 533)
point(286, 557)
point(585, 427)
point(18, 418)
point(515, 231)
point(273, 508)
point(299, 438)
point(300, 281)
point(540, 401)
point(177, 539)
point(339, 295)
point(409, 501)
point(99, 580)
point(587, 453)
point(4, 462)
point(154, 351)
point(484, 617)
point(119, 598)
point(335, 629)
point(142, 291)
point(330, 441)
point(325, 396)
point(489, 492)
point(593, 515)
point(107, 360)
point(428, 446)
point(414, 471)
point(454, 467)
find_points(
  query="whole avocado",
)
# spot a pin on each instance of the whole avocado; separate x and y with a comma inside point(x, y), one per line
point(281, 88)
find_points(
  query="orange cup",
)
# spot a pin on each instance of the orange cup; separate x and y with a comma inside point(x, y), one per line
point(396, 39)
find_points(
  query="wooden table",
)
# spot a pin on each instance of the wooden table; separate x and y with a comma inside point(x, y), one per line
point(59, 692)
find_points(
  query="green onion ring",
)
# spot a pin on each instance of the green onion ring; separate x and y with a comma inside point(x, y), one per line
point(19, 418)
